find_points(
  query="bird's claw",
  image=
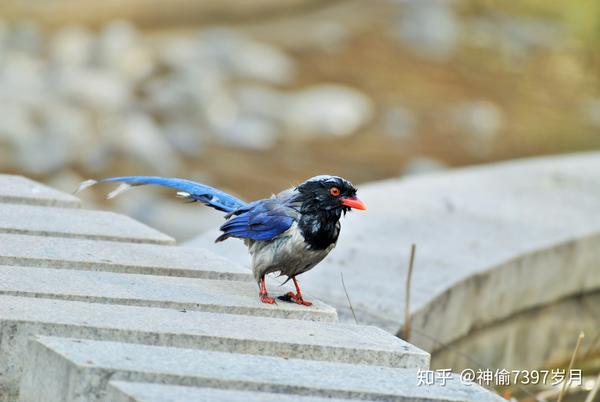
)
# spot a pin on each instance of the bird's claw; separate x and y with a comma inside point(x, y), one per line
point(293, 297)
point(265, 298)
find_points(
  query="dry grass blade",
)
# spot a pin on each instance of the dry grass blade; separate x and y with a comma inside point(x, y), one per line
point(594, 391)
point(406, 324)
point(348, 297)
point(573, 358)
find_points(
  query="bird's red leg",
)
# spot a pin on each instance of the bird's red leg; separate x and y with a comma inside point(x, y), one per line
point(297, 297)
point(263, 294)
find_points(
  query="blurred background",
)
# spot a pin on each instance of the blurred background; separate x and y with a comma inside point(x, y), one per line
point(255, 96)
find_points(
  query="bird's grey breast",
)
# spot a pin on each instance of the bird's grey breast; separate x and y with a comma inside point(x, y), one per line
point(288, 253)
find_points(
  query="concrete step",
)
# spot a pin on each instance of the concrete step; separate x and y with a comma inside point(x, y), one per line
point(20, 190)
point(76, 223)
point(75, 370)
point(52, 252)
point(234, 297)
point(121, 391)
point(22, 318)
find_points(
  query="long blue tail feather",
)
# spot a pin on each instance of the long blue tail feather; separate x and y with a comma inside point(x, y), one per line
point(190, 190)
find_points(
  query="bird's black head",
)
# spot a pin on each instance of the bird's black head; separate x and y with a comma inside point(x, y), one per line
point(323, 200)
point(329, 193)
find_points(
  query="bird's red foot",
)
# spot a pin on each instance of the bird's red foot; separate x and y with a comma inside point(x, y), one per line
point(265, 298)
point(293, 297)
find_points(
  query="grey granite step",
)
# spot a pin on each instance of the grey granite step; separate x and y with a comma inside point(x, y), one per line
point(22, 318)
point(52, 252)
point(234, 297)
point(121, 391)
point(76, 223)
point(75, 370)
point(20, 190)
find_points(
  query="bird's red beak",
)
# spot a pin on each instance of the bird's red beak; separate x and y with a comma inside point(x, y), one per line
point(354, 203)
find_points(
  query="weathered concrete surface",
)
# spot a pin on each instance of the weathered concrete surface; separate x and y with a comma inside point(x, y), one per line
point(22, 318)
point(73, 370)
point(76, 223)
point(491, 241)
point(20, 190)
point(121, 391)
point(120, 257)
point(539, 337)
point(233, 297)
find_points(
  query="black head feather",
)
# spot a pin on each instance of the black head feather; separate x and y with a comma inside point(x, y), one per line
point(321, 207)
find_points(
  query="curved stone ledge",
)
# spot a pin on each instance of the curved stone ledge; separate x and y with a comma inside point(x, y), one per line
point(541, 337)
point(492, 241)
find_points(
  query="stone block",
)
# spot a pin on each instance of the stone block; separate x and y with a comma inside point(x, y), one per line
point(20, 190)
point(76, 370)
point(76, 223)
point(121, 391)
point(96, 255)
point(233, 297)
point(22, 318)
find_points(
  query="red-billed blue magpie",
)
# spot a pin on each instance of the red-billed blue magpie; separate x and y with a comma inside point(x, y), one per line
point(289, 233)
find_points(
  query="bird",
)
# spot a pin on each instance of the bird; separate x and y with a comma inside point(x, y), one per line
point(289, 233)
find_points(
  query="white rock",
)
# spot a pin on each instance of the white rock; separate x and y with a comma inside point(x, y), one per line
point(590, 109)
point(179, 52)
point(68, 121)
point(72, 46)
point(245, 57)
point(26, 36)
point(260, 100)
point(23, 78)
point(398, 122)
point(121, 48)
point(422, 165)
point(167, 95)
point(430, 27)
point(264, 62)
point(96, 88)
point(185, 138)
point(327, 109)
point(330, 36)
point(481, 121)
point(248, 131)
point(514, 35)
point(143, 139)
point(28, 146)
point(479, 118)
point(4, 35)
point(17, 130)
point(221, 110)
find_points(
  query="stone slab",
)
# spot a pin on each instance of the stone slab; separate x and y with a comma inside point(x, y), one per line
point(121, 391)
point(539, 337)
point(75, 370)
point(76, 223)
point(22, 318)
point(492, 241)
point(96, 255)
point(20, 190)
point(234, 297)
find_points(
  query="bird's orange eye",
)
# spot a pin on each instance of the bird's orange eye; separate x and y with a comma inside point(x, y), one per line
point(334, 191)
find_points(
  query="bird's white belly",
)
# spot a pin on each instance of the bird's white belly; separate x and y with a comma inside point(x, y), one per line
point(287, 253)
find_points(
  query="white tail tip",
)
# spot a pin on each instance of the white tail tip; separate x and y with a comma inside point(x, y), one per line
point(84, 185)
point(121, 189)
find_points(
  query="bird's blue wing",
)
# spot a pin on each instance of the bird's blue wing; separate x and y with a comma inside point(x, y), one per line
point(261, 220)
point(190, 190)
